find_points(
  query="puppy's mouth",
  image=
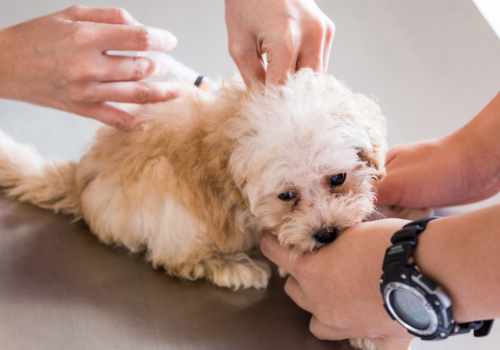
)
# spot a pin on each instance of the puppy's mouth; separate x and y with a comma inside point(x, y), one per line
point(307, 242)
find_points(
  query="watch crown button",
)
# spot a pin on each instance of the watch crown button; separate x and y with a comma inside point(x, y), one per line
point(403, 276)
point(437, 303)
point(442, 334)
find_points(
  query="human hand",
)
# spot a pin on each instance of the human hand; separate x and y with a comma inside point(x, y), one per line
point(59, 61)
point(340, 285)
point(293, 33)
point(460, 168)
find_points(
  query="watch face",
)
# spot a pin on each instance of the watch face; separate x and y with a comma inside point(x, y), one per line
point(410, 309)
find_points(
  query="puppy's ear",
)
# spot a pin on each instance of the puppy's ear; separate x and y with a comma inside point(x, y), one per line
point(373, 121)
point(374, 158)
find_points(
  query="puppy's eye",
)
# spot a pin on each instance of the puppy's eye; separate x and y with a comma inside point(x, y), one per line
point(337, 180)
point(286, 196)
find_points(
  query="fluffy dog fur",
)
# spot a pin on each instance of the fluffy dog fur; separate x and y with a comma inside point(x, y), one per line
point(198, 181)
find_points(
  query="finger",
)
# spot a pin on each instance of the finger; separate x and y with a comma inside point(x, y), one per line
point(295, 292)
point(311, 50)
point(109, 115)
point(281, 60)
point(135, 38)
point(110, 15)
point(327, 46)
point(388, 192)
point(392, 154)
point(272, 249)
point(389, 189)
point(311, 59)
point(324, 332)
point(248, 61)
point(123, 68)
point(134, 92)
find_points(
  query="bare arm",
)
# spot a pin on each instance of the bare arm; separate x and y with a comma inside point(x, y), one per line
point(460, 168)
point(59, 61)
point(461, 253)
point(339, 284)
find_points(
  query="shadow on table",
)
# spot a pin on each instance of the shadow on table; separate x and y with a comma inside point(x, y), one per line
point(50, 264)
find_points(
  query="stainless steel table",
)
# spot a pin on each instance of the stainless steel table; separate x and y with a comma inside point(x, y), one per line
point(62, 289)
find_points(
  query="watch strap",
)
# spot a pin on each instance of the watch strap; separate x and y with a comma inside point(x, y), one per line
point(403, 243)
point(410, 231)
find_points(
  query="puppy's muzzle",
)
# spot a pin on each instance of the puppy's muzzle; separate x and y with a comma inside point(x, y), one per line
point(326, 235)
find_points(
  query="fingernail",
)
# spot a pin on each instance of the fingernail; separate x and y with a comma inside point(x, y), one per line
point(159, 71)
point(118, 125)
point(122, 126)
point(172, 90)
point(171, 41)
point(162, 71)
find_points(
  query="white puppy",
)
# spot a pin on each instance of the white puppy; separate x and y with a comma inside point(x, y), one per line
point(202, 176)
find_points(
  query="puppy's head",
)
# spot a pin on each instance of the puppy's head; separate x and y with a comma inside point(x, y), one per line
point(305, 156)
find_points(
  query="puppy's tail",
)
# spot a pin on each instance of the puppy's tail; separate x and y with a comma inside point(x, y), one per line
point(47, 184)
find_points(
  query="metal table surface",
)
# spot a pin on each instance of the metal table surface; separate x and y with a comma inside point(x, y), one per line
point(62, 289)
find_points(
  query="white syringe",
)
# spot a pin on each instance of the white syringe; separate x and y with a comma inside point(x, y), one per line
point(179, 69)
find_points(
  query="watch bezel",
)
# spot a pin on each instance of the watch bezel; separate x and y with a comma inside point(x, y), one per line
point(390, 287)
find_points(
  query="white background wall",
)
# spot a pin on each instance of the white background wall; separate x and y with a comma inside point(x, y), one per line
point(432, 64)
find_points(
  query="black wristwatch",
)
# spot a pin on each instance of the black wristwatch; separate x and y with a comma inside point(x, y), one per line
point(413, 299)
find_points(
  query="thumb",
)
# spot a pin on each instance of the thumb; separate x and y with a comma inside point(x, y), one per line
point(388, 189)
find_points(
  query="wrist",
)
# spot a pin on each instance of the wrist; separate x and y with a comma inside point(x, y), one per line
point(5, 64)
point(460, 253)
point(3, 49)
point(416, 301)
point(430, 255)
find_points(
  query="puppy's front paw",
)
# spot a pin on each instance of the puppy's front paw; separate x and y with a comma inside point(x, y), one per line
point(241, 271)
point(362, 344)
point(282, 272)
point(236, 271)
point(225, 270)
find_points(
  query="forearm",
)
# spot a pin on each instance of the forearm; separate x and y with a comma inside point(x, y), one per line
point(484, 129)
point(4, 64)
point(463, 166)
point(481, 151)
point(461, 253)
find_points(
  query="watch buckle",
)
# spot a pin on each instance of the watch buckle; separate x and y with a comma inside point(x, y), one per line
point(481, 328)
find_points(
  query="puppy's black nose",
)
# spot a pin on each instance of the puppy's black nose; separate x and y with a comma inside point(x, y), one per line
point(326, 235)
